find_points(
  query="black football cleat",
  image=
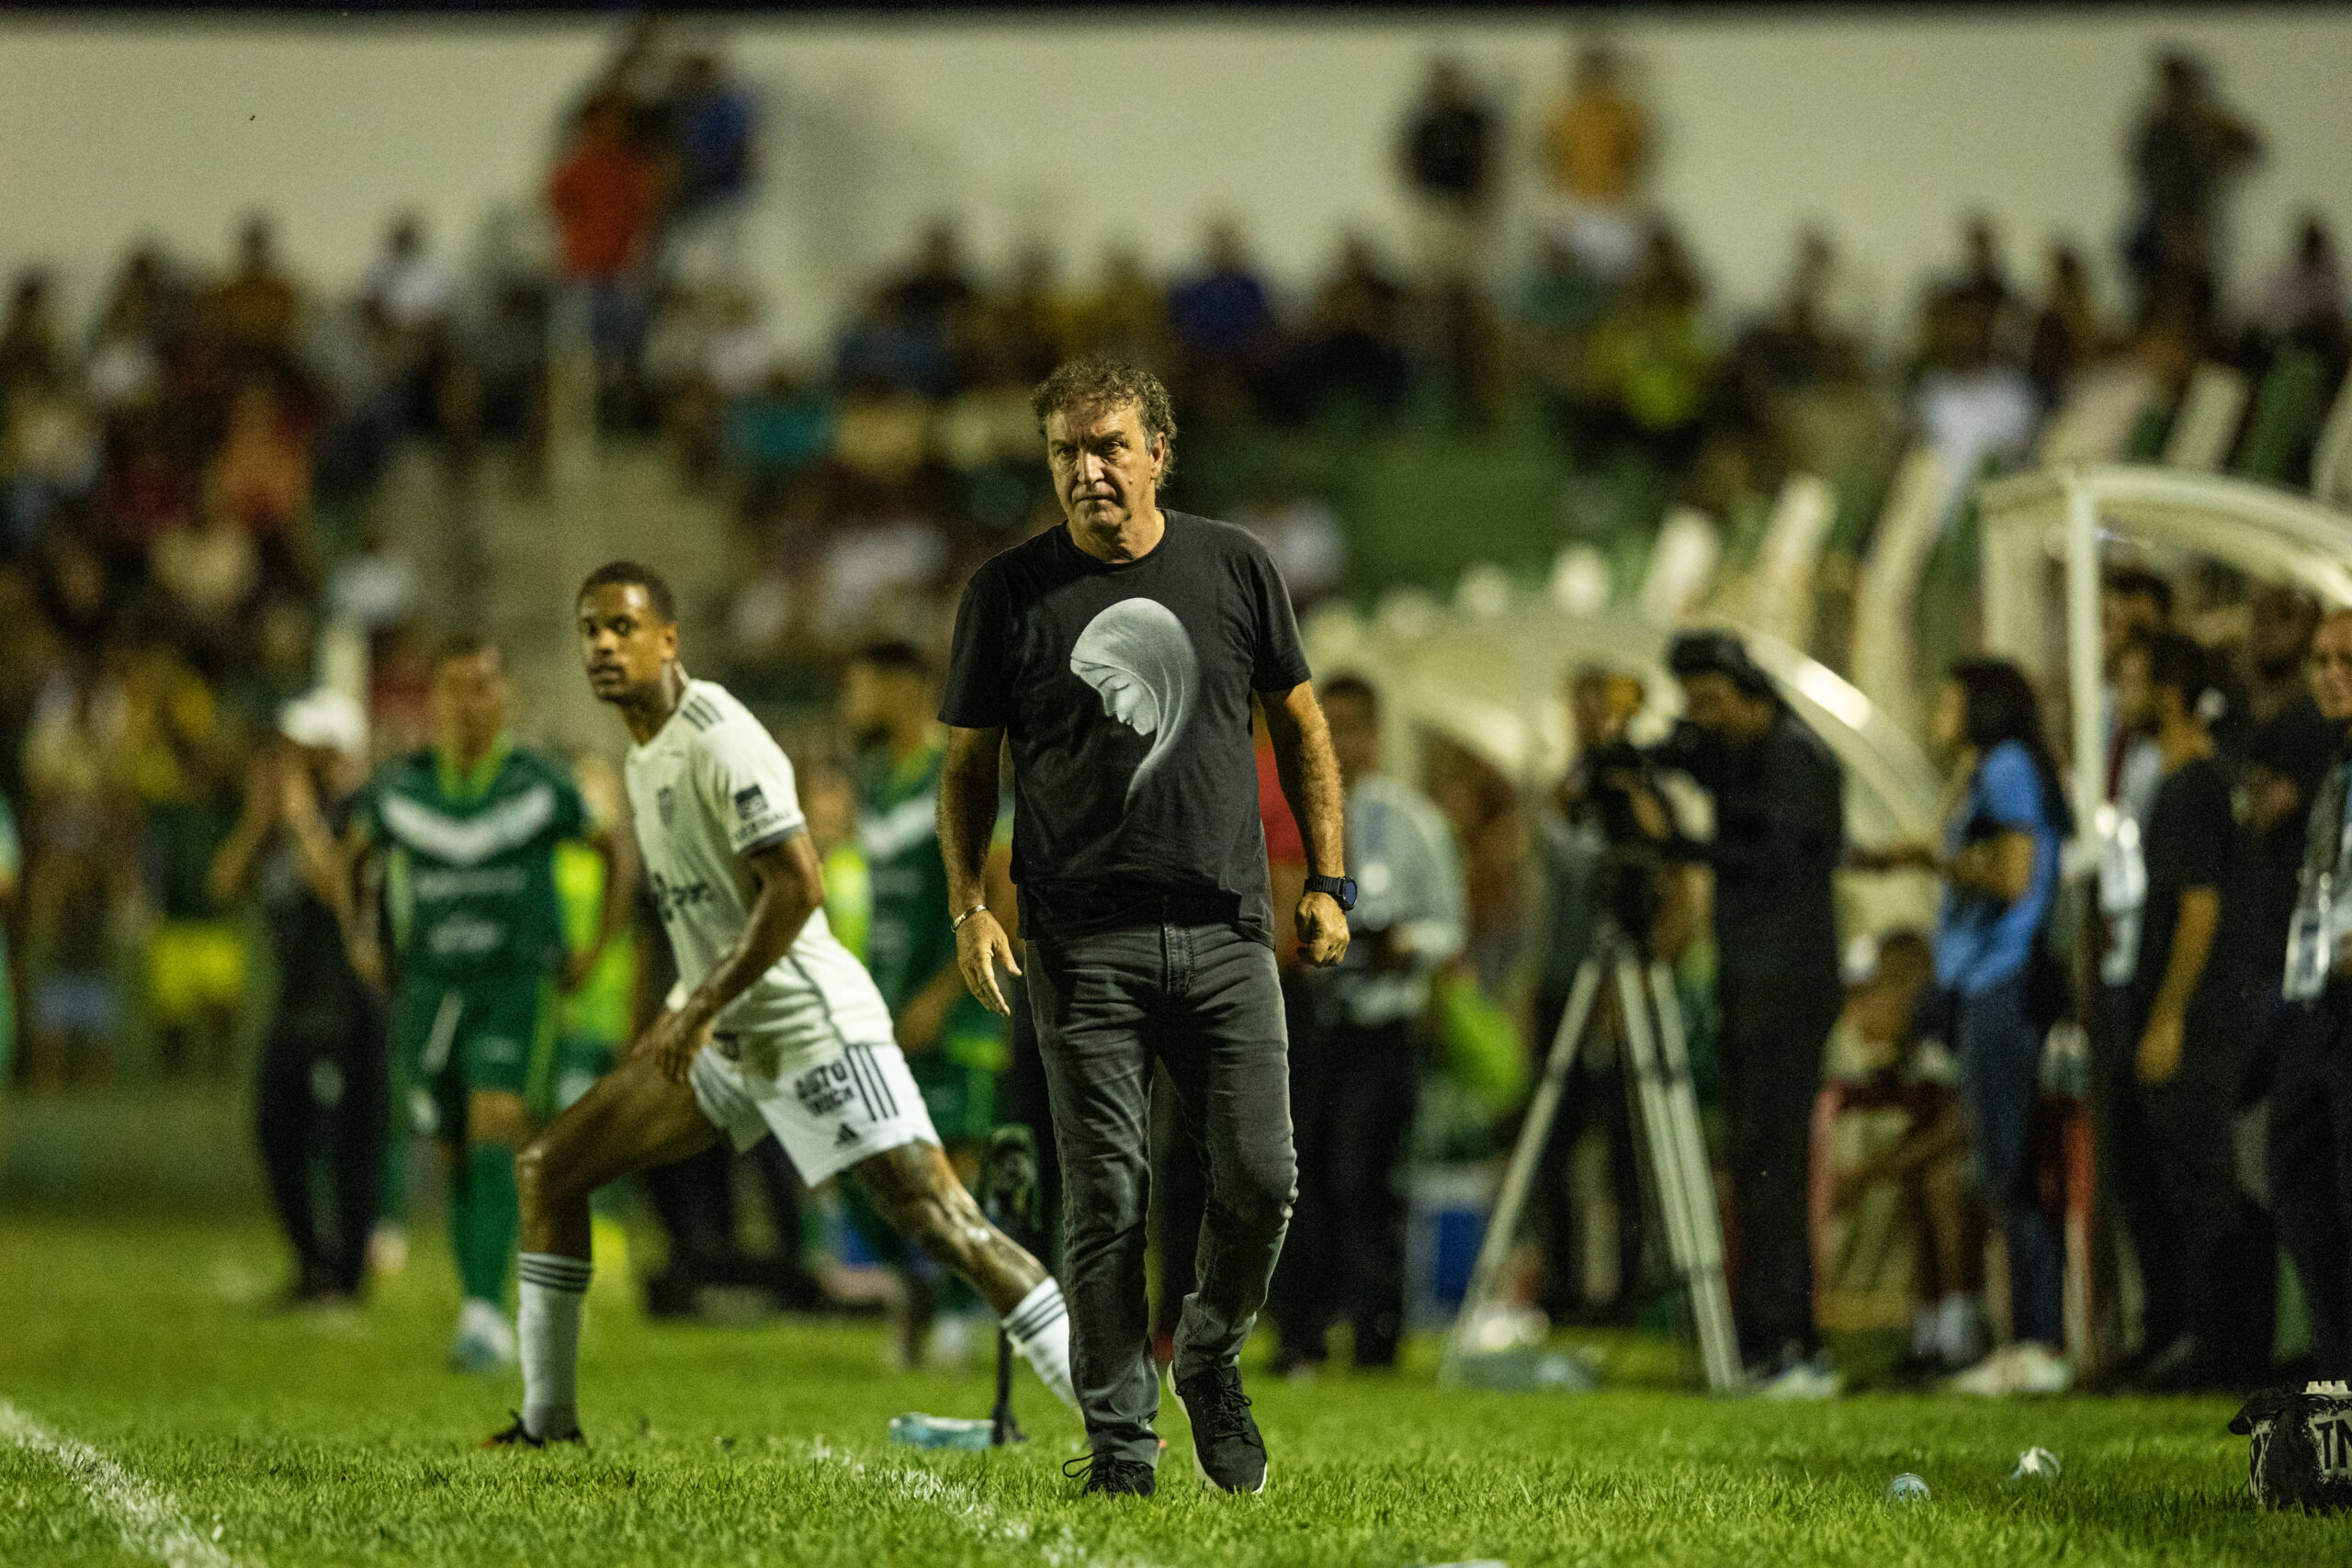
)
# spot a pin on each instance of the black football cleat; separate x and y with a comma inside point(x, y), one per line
point(519, 1437)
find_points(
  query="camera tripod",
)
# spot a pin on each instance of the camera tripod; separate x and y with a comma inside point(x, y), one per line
point(1658, 1063)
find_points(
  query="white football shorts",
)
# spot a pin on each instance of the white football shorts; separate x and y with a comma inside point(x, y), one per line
point(829, 1107)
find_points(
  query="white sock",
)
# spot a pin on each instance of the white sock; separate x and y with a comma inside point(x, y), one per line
point(553, 1288)
point(1962, 1345)
point(1039, 1328)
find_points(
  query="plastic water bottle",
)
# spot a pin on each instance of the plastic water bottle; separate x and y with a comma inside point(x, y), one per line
point(1907, 1488)
point(940, 1432)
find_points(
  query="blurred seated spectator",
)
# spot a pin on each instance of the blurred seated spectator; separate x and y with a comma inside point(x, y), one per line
point(1123, 316)
point(711, 125)
point(143, 489)
point(1447, 156)
point(126, 365)
point(254, 313)
point(407, 291)
point(1651, 357)
point(1595, 155)
point(1031, 324)
point(377, 585)
point(1222, 318)
point(936, 293)
point(779, 428)
point(1983, 281)
point(605, 193)
point(2303, 302)
point(2186, 153)
point(1970, 409)
point(49, 456)
point(508, 349)
point(82, 871)
point(1352, 354)
point(29, 338)
point(211, 569)
point(2067, 337)
point(1903, 1235)
point(260, 481)
point(885, 349)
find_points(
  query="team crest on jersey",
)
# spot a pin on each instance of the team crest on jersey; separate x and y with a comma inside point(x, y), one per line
point(665, 801)
point(751, 803)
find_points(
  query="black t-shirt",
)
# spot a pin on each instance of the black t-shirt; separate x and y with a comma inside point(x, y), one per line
point(2190, 843)
point(318, 988)
point(1125, 691)
point(1779, 837)
point(2296, 745)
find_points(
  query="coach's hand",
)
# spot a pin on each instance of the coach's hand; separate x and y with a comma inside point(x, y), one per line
point(1322, 929)
point(672, 1040)
point(980, 946)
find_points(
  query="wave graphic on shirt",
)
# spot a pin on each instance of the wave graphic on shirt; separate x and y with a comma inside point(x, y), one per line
point(1136, 654)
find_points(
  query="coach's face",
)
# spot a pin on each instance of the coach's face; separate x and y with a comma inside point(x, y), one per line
point(624, 642)
point(2331, 667)
point(1106, 470)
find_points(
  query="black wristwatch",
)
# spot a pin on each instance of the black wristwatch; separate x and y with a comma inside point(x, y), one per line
point(1341, 888)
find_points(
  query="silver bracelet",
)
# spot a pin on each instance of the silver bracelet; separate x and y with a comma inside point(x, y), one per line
point(958, 923)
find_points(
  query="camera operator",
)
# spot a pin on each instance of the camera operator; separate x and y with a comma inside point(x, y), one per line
point(1780, 835)
point(1604, 851)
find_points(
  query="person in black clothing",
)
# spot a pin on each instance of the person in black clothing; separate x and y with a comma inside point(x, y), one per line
point(1779, 837)
point(326, 1087)
point(1121, 655)
point(2170, 1062)
point(2310, 1098)
point(1447, 156)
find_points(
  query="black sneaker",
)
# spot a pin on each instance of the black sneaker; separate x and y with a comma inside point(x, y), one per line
point(519, 1437)
point(1226, 1444)
point(1110, 1477)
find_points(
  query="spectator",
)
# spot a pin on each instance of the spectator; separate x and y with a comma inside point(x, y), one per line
point(1355, 1071)
point(2134, 603)
point(603, 192)
point(1998, 859)
point(2304, 302)
point(1124, 316)
point(1223, 322)
point(2310, 1105)
point(260, 481)
point(1651, 356)
point(29, 338)
point(406, 291)
point(1780, 836)
point(1447, 156)
point(2066, 333)
point(712, 121)
point(2186, 153)
point(253, 314)
point(1354, 352)
point(936, 296)
point(1596, 155)
point(325, 1094)
point(1970, 408)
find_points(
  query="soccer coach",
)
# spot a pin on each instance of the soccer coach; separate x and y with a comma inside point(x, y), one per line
point(1120, 653)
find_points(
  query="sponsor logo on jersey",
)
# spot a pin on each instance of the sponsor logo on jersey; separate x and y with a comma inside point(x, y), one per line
point(675, 897)
point(824, 1090)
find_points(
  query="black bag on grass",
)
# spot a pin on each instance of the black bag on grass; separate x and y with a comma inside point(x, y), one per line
point(2301, 1454)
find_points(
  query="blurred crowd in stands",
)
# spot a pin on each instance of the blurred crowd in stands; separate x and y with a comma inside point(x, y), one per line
point(184, 479)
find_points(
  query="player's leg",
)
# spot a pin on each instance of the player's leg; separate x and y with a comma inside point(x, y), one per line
point(633, 1118)
point(504, 1042)
point(918, 1192)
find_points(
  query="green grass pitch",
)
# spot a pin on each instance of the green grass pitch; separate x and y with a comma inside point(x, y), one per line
point(291, 1441)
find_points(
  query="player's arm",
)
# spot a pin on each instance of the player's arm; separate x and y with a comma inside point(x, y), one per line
point(233, 867)
point(2192, 945)
point(619, 851)
point(1310, 776)
point(363, 937)
point(967, 803)
point(789, 886)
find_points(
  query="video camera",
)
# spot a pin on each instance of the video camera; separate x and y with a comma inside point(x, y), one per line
point(1615, 787)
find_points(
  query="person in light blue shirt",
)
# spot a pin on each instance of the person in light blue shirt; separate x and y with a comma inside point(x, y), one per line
point(1998, 859)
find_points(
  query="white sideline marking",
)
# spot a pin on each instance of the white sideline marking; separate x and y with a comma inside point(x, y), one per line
point(150, 1523)
point(1060, 1551)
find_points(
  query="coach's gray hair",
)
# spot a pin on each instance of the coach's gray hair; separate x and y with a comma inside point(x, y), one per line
point(1095, 385)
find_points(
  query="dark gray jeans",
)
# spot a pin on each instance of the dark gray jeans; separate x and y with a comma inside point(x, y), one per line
point(1205, 1001)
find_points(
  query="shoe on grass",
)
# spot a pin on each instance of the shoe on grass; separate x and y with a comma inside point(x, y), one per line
point(484, 1342)
point(2025, 1368)
point(1226, 1448)
point(1803, 1380)
point(519, 1437)
point(1109, 1477)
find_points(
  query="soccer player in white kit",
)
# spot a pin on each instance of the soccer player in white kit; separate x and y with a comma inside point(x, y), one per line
point(773, 1026)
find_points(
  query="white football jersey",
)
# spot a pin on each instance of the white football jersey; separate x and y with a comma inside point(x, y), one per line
point(710, 788)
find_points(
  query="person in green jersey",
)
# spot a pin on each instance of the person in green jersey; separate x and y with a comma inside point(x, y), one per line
point(954, 1046)
point(464, 839)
